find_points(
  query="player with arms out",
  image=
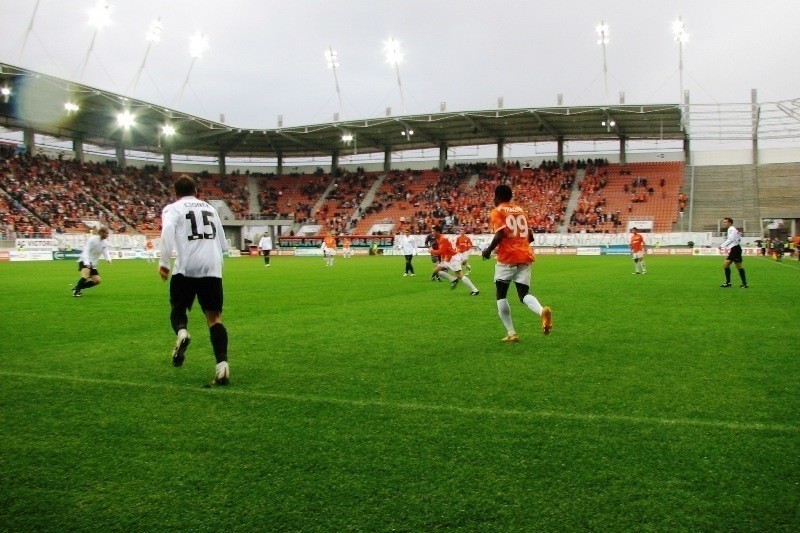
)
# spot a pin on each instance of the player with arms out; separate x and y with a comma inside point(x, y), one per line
point(512, 239)
point(192, 227)
point(638, 249)
point(733, 245)
point(95, 247)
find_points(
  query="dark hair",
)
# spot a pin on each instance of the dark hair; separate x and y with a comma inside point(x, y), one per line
point(503, 193)
point(184, 186)
point(729, 220)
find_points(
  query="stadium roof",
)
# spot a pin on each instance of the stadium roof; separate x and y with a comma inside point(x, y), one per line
point(37, 101)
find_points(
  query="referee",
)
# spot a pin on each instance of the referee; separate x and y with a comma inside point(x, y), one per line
point(733, 244)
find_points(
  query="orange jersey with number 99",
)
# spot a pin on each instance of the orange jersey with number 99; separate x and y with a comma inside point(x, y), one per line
point(515, 247)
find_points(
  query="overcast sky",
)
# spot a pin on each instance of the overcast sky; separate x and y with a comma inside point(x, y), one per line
point(266, 58)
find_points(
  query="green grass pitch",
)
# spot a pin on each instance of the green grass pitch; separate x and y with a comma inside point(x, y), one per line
point(362, 400)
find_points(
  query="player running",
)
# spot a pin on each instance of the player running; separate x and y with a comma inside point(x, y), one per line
point(193, 228)
point(512, 239)
point(638, 249)
point(95, 247)
point(329, 248)
point(450, 259)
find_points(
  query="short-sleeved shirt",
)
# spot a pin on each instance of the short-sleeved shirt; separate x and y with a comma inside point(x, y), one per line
point(463, 243)
point(446, 250)
point(330, 242)
point(515, 247)
point(637, 243)
point(193, 228)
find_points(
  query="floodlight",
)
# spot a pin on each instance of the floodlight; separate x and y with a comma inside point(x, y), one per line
point(393, 53)
point(70, 107)
point(154, 31)
point(347, 137)
point(100, 15)
point(679, 31)
point(332, 57)
point(167, 130)
point(5, 91)
point(125, 119)
point(198, 45)
point(602, 33)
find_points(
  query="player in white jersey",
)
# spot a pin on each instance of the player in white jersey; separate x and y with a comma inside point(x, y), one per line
point(193, 228)
point(95, 248)
point(265, 245)
point(733, 245)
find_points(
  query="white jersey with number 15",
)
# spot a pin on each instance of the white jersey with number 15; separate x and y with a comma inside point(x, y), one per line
point(193, 228)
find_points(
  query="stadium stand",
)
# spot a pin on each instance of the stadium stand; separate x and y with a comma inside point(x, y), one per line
point(611, 195)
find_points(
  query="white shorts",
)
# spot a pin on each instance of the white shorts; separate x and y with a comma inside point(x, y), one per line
point(329, 251)
point(520, 273)
point(638, 255)
point(454, 264)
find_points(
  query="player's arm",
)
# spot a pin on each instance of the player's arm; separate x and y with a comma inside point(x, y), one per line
point(106, 253)
point(223, 242)
point(167, 242)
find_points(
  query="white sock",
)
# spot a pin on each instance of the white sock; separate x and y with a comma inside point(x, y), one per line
point(644, 268)
point(447, 275)
point(468, 283)
point(504, 310)
point(533, 304)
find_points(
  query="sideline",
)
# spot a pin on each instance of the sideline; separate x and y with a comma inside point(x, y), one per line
point(407, 406)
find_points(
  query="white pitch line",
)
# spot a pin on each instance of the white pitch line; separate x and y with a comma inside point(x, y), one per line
point(791, 264)
point(432, 408)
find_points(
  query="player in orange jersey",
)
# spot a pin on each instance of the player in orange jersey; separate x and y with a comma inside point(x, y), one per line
point(450, 259)
point(346, 244)
point(149, 251)
point(512, 240)
point(329, 248)
point(464, 245)
point(638, 249)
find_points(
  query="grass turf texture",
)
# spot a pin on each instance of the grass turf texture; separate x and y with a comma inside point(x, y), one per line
point(364, 400)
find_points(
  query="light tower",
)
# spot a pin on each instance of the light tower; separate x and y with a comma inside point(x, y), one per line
point(602, 40)
point(680, 36)
point(153, 36)
point(99, 18)
point(197, 45)
point(395, 56)
point(332, 58)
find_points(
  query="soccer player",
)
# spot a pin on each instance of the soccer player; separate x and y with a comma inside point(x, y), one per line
point(347, 244)
point(96, 246)
point(512, 239)
point(149, 251)
point(329, 248)
point(193, 228)
point(408, 246)
point(638, 249)
point(733, 244)
point(450, 259)
point(432, 243)
point(265, 245)
point(464, 245)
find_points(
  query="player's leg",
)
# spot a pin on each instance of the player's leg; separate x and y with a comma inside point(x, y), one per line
point(94, 281)
point(504, 310)
point(210, 297)
point(181, 297)
point(522, 280)
point(742, 275)
point(84, 277)
point(726, 266)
